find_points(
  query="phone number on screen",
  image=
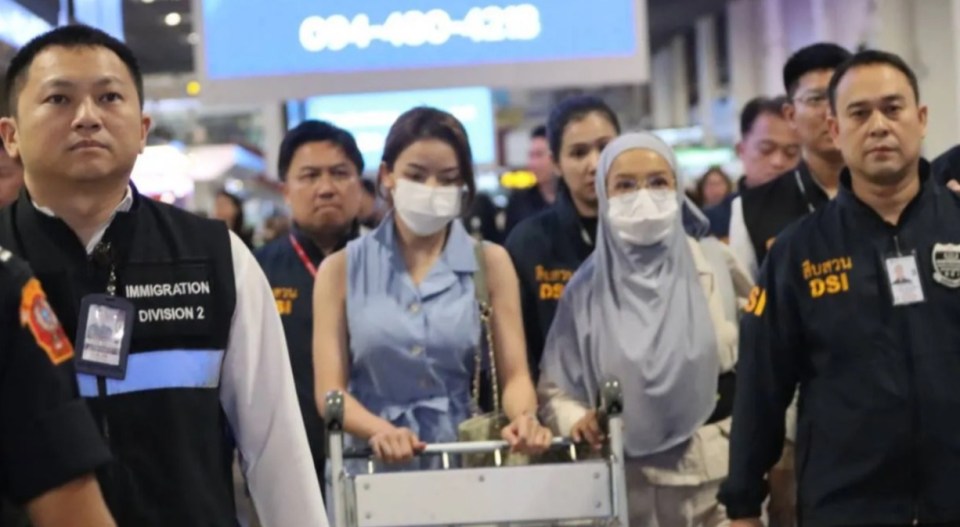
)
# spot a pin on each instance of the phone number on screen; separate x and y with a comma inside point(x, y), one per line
point(417, 28)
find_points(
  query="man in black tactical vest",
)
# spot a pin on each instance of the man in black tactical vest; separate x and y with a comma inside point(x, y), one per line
point(762, 212)
point(179, 349)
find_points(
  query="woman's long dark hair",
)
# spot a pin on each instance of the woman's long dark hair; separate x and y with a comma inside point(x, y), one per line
point(238, 223)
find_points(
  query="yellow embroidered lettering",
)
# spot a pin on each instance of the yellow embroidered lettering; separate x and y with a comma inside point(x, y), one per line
point(817, 288)
point(752, 300)
point(558, 291)
point(284, 307)
point(832, 284)
point(546, 292)
point(756, 302)
point(819, 270)
point(541, 273)
point(761, 303)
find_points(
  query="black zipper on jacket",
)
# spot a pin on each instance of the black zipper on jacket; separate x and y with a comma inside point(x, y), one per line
point(92, 271)
point(102, 399)
point(904, 324)
point(107, 473)
point(102, 402)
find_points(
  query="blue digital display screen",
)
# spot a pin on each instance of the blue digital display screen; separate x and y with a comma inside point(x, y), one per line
point(256, 38)
point(369, 117)
point(106, 15)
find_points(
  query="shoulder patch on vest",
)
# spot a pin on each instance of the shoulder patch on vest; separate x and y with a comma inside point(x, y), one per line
point(37, 315)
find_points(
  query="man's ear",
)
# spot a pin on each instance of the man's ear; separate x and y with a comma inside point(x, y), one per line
point(145, 122)
point(790, 113)
point(922, 116)
point(834, 126)
point(11, 136)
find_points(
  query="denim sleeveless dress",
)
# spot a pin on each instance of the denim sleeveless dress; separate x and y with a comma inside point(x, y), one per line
point(412, 349)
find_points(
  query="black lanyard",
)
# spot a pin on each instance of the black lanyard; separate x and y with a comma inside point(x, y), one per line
point(104, 255)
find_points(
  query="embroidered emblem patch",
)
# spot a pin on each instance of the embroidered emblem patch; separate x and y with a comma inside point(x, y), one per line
point(37, 315)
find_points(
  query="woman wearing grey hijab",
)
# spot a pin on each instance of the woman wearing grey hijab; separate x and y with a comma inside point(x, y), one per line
point(647, 308)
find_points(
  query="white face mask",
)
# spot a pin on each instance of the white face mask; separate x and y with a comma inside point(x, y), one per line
point(424, 209)
point(644, 217)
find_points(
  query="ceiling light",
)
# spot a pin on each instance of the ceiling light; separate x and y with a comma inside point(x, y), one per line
point(147, 1)
point(172, 19)
point(193, 39)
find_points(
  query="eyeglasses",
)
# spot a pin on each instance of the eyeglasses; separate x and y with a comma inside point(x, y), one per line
point(816, 99)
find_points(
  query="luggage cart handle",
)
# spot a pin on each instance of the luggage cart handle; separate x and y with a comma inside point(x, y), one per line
point(609, 407)
point(610, 403)
point(467, 447)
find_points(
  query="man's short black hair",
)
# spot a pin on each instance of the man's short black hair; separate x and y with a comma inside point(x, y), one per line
point(816, 57)
point(759, 106)
point(313, 131)
point(872, 57)
point(71, 36)
point(540, 132)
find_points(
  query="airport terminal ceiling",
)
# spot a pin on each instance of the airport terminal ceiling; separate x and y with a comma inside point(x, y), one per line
point(46, 9)
point(167, 49)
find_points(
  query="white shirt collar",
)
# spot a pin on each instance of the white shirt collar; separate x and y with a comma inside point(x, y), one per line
point(124, 206)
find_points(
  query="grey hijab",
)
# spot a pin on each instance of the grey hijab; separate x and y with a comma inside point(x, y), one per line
point(639, 314)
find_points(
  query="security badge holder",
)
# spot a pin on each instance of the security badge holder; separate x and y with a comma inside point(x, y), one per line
point(103, 336)
point(904, 279)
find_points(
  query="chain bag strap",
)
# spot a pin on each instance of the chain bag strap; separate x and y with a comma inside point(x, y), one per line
point(485, 426)
point(482, 293)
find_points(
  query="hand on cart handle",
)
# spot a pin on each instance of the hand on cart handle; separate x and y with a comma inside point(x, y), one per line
point(587, 430)
point(526, 435)
point(396, 445)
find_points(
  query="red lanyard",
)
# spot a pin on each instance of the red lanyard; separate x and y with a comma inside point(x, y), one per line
point(303, 256)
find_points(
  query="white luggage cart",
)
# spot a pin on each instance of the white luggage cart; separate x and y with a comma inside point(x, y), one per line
point(585, 492)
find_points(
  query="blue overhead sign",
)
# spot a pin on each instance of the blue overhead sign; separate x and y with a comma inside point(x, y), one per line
point(372, 45)
point(307, 36)
point(106, 15)
point(369, 117)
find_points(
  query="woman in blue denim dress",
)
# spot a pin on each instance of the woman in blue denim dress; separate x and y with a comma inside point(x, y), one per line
point(396, 321)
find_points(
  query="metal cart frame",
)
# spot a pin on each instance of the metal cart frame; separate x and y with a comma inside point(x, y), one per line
point(594, 490)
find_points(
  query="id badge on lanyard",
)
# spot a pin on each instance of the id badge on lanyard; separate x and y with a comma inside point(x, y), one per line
point(904, 279)
point(104, 331)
